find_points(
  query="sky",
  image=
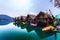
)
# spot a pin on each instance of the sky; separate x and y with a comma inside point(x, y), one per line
point(14, 7)
point(24, 7)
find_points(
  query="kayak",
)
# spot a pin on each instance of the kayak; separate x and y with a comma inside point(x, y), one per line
point(33, 24)
point(46, 28)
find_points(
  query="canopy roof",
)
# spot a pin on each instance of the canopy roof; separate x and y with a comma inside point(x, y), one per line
point(58, 16)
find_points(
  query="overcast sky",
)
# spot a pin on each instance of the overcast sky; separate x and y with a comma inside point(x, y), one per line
point(24, 7)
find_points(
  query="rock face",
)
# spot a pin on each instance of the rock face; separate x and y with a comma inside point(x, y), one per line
point(36, 23)
point(4, 19)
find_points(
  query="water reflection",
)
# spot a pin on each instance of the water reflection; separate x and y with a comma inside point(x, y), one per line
point(22, 35)
point(38, 30)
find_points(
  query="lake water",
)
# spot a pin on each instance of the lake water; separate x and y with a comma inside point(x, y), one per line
point(12, 32)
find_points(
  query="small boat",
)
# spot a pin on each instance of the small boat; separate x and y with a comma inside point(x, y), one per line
point(33, 24)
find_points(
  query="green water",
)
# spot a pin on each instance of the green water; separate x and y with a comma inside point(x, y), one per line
point(31, 33)
point(23, 35)
point(58, 36)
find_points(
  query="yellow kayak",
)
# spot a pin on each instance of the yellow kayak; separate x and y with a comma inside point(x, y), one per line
point(24, 22)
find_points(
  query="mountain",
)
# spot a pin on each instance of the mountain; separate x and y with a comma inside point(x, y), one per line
point(5, 19)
